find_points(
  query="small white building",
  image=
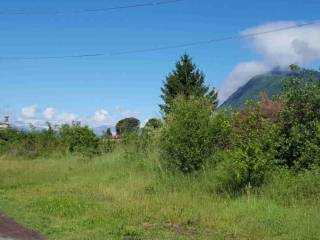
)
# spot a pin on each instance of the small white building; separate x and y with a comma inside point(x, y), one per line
point(5, 124)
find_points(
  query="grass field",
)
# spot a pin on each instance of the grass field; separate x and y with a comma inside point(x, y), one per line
point(119, 197)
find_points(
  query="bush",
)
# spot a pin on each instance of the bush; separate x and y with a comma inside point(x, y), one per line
point(137, 146)
point(299, 121)
point(187, 139)
point(32, 144)
point(221, 130)
point(251, 155)
point(80, 140)
point(153, 123)
point(106, 144)
point(241, 168)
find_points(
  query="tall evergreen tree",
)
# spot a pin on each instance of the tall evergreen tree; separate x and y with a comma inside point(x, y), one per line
point(186, 80)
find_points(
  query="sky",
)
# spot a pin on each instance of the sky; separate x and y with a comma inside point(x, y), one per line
point(102, 90)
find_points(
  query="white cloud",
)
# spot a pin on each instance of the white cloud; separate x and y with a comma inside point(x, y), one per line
point(126, 113)
point(29, 115)
point(282, 48)
point(39, 116)
point(102, 116)
point(49, 113)
point(240, 75)
point(29, 112)
point(277, 49)
point(67, 117)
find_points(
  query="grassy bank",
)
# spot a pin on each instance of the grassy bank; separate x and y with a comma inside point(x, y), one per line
point(118, 197)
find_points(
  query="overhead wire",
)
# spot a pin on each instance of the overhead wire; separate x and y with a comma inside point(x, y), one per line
point(81, 11)
point(155, 49)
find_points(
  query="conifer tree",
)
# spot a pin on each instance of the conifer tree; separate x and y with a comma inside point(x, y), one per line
point(185, 80)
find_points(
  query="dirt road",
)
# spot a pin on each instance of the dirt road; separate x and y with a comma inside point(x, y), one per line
point(10, 230)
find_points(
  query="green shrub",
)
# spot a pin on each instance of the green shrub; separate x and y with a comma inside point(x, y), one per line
point(221, 130)
point(241, 168)
point(106, 144)
point(15, 143)
point(137, 146)
point(153, 123)
point(299, 121)
point(33, 144)
point(186, 139)
point(80, 139)
point(251, 154)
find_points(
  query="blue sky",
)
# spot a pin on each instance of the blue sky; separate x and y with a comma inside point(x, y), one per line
point(104, 89)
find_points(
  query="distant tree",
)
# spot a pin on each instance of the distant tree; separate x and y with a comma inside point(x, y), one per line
point(108, 133)
point(186, 80)
point(153, 123)
point(127, 125)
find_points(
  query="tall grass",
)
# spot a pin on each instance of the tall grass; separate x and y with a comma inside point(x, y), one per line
point(124, 195)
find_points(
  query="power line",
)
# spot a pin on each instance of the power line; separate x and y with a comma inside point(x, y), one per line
point(190, 44)
point(138, 5)
point(210, 41)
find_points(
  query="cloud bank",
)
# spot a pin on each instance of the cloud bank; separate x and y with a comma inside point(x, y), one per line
point(102, 116)
point(49, 113)
point(35, 116)
point(278, 49)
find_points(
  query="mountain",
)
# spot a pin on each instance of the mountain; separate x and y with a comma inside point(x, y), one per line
point(99, 131)
point(270, 83)
point(27, 128)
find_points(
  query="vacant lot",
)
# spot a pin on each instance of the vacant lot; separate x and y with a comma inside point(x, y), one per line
point(118, 197)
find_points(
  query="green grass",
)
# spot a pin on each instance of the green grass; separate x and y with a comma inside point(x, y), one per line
point(117, 197)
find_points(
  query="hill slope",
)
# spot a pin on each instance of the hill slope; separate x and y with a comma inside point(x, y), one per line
point(271, 83)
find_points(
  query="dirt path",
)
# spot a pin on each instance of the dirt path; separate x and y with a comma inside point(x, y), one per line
point(10, 230)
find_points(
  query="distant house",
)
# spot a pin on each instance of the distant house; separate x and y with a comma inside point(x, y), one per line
point(116, 138)
point(5, 124)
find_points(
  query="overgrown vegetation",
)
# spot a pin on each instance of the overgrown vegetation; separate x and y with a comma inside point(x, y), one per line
point(299, 122)
point(194, 174)
point(258, 140)
point(76, 139)
point(120, 197)
point(190, 135)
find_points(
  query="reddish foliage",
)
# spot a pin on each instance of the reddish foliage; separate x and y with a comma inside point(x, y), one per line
point(270, 109)
point(252, 117)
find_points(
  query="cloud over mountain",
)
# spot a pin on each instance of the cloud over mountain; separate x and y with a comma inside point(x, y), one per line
point(240, 75)
point(282, 48)
point(277, 49)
